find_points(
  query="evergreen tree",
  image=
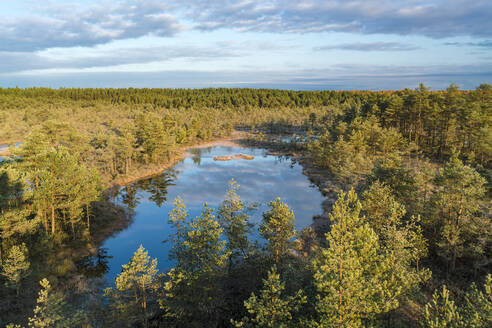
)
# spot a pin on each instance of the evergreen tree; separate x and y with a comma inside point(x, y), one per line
point(192, 294)
point(125, 145)
point(354, 276)
point(233, 217)
point(271, 309)
point(136, 280)
point(90, 191)
point(477, 311)
point(441, 312)
point(456, 202)
point(277, 228)
point(51, 310)
point(401, 237)
point(380, 207)
point(16, 266)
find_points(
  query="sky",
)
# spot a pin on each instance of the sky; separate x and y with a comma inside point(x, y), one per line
point(284, 44)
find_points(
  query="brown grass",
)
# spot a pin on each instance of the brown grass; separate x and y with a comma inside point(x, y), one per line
point(156, 169)
point(233, 157)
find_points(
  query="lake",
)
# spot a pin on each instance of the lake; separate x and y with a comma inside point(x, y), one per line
point(198, 179)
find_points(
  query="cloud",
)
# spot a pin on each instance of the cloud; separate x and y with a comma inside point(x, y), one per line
point(373, 46)
point(340, 77)
point(432, 18)
point(480, 44)
point(69, 25)
point(60, 24)
point(73, 58)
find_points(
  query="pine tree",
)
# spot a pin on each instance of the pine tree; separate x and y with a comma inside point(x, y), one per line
point(62, 187)
point(90, 191)
point(51, 310)
point(441, 312)
point(125, 145)
point(401, 237)
point(16, 266)
point(136, 280)
point(456, 202)
point(271, 309)
point(380, 207)
point(353, 276)
point(277, 228)
point(477, 310)
point(192, 295)
point(233, 217)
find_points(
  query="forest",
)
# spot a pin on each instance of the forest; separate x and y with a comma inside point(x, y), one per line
point(407, 241)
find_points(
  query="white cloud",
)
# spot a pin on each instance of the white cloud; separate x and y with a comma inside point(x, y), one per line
point(369, 46)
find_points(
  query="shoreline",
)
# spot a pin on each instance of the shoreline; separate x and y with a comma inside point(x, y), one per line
point(321, 178)
point(182, 153)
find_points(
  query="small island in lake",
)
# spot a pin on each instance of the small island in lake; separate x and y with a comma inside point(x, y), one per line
point(233, 157)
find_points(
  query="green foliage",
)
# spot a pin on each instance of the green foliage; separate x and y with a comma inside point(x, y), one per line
point(392, 172)
point(402, 238)
point(381, 207)
point(442, 312)
point(350, 152)
point(60, 187)
point(477, 311)
point(277, 228)
point(151, 138)
point(434, 121)
point(356, 276)
point(16, 266)
point(271, 309)
point(51, 310)
point(15, 215)
point(77, 140)
point(134, 286)
point(233, 217)
point(456, 202)
point(192, 293)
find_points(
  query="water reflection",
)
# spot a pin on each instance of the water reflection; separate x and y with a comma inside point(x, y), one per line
point(200, 179)
point(157, 186)
point(95, 266)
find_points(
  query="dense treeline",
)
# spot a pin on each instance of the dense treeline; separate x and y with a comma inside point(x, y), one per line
point(435, 122)
point(414, 165)
point(190, 98)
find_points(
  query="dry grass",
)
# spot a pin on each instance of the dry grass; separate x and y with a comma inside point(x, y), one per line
point(151, 170)
point(234, 157)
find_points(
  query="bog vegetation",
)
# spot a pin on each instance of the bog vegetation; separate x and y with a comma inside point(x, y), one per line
point(408, 242)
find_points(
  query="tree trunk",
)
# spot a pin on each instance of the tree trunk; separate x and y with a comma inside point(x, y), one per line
point(52, 211)
point(52, 219)
point(453, 260)
point(144, 304)
point(45, 219)
point(340, 288)
point(88, 217)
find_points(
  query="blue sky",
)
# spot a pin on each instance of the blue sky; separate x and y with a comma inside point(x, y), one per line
point(306, 45)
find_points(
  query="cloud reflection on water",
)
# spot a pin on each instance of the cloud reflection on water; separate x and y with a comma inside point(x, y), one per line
point(200, 179)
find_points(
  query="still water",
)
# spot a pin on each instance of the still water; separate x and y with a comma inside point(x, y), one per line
point(198, 179)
